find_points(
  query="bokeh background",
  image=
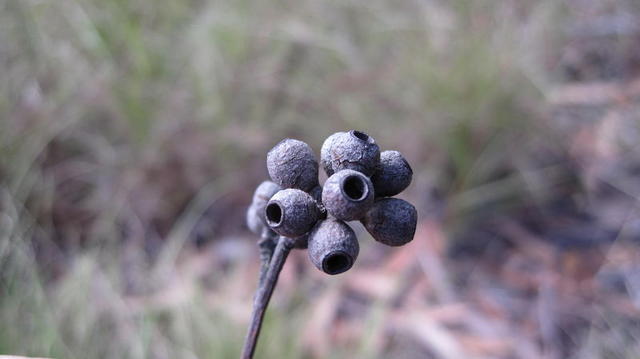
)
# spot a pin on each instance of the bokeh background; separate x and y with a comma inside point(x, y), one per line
point(133, 132)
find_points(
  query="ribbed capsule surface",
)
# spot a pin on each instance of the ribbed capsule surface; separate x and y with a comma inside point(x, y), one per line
point(391, 221)
point(292, 164)
point(333, 246)
point(393, 174)
point(291, 212)
point(347, 195)
point(350, 150)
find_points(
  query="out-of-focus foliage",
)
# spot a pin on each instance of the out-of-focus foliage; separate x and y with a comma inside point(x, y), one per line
point(132, 134)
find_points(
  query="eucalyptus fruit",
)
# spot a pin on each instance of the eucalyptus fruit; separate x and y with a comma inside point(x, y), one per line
point(333, 246)
point(391, 221)
point(350, 150)
point(255, 213)
point(347, 195)
point(291, 212)
point(292, 164)
point(295, 211)
point(393, 175)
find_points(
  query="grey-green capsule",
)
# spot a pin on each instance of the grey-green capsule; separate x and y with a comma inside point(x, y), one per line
point(291, 212)
point(350, 150)
point(292, 164)
point(333, 246)
point(393, 174)
point(347, 195)
point(391, 221)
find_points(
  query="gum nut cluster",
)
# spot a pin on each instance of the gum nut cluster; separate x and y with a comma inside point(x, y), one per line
point(360, 183)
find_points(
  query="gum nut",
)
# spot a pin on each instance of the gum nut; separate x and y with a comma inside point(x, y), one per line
point(292, 164)
point(316, 193)
point(333, 246)
point(325, 152)
point(265, 191)
point(291, 213)
point(393, 174)
point(255, 221)
point(348, 195)
point(262, 195)
point(391, 221)
point(350, 150)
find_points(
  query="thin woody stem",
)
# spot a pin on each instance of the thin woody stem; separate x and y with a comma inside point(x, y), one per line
point(263, 295)
point(266, 244)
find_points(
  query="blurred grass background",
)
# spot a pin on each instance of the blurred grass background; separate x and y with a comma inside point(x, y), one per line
point(132, 134)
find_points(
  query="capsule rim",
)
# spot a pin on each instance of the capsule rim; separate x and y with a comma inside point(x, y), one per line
point(268, 213)
point(326, 267)
point(361, 181)
point(362, 136)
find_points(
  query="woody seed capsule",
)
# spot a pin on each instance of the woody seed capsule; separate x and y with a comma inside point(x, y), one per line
point(292, 164)
point(391, 221)
point(333, 246)
point(393, 175)
point(255, 219)
point(291, 213)
point(265, 191)
point(350, 150)
point(316, 193)
point(262, 195)
point(347, 195)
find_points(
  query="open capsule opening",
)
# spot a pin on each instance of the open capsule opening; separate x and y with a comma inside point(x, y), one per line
point(361, 136)
point(355, 188)
point(273, 213)
point(337, 262)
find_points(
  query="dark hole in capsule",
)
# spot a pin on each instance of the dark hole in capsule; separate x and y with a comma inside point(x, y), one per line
point(336, 263)
point(360, 135)
point(274, 214)
point(354, 188)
